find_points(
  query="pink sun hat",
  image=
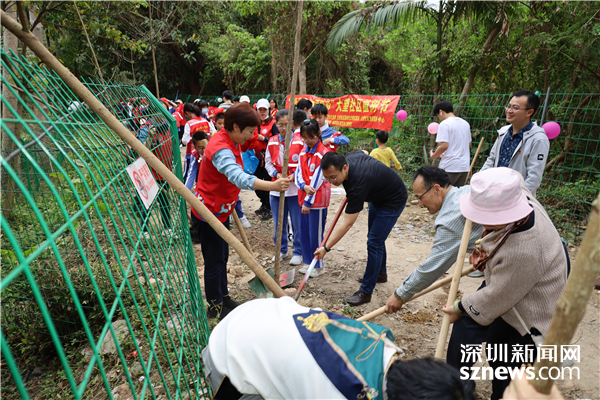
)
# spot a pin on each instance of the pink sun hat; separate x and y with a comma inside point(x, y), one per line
point(496, 198)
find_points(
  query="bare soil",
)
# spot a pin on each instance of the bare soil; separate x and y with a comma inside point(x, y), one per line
point(416, 327)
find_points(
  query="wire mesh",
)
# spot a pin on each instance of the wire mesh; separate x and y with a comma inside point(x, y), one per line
point(572, 176)
point(98, 292)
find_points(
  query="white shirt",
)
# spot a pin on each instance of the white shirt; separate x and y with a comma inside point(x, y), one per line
point(457, 133)
point(261, 351)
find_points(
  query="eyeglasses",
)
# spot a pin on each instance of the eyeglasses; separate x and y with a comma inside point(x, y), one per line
point(421, 196)
point(509, 107)
point(282, 126)
point(310, 139)
point(332, 179)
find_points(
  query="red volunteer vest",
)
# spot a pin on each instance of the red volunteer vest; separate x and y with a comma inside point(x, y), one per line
point(331, 146)
point(196, 124)
point(309, 163)
point(162, 147)
point(273, 147)
point(179, 116)
point(255, 144)
point(213, 188)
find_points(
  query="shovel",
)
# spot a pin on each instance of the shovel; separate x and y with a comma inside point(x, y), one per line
point(323, 243)
point(261, 291)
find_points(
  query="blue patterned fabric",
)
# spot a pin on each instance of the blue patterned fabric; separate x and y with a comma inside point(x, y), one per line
point(349, 352)
point(510, 144)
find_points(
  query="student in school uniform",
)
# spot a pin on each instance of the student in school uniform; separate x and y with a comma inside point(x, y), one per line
point(273, 107)
point(195, 124)
point(258, 143)
point(274, 166)
point(331, 138)
point(219, 183)
point(314, 194)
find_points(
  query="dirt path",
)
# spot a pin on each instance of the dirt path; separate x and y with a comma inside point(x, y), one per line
point(416, 327)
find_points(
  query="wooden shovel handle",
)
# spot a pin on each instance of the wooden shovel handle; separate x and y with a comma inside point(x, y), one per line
point(462, 251)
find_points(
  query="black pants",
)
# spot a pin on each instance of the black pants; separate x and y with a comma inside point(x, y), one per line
point(261, 173)
point(466, 331)
point(215, 251)
point(458, 179)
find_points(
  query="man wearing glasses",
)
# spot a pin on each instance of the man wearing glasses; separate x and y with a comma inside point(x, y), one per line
point(366, 179)
point(522, 145)
point(434, 191)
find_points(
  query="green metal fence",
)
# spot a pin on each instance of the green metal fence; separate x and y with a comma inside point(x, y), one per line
point(572, 178)
point(100, 297)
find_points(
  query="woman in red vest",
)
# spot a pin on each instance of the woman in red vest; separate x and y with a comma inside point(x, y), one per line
point(220, 180)
point(258, 143)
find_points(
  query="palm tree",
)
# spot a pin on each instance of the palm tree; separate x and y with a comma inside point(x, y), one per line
point(407, 11)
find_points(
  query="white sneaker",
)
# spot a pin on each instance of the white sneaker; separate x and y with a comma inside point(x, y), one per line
point(304, 269)
point(245, 222)
point(317, 272)
point(282, 256)
point(296, 260)
point(475, 274)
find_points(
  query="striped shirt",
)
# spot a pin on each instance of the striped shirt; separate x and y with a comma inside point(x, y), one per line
point(449, 226)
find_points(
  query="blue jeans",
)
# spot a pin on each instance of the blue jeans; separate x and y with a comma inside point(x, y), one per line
point(292, 208)
point(381, 222)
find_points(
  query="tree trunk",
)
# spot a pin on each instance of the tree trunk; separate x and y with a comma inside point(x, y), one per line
point(302, 75)
point(8, 145)
point(473, 72)
point(440, 20)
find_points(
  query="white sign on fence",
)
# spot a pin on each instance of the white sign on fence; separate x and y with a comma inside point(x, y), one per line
point(144, 182)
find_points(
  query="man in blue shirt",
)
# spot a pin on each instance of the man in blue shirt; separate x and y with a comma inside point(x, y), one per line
point(522, 145)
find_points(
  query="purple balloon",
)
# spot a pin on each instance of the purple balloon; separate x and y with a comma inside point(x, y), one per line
point(433, 128)
point(552, 129)
point(401, 115)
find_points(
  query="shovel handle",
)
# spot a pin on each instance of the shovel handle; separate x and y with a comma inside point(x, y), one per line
point(323, 243)
point(434, 285)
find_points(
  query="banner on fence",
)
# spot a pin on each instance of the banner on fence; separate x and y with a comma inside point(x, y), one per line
point(143, 181)
point(356, 111)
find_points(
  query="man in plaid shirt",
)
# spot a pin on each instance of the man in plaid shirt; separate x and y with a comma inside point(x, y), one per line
point(434, 191)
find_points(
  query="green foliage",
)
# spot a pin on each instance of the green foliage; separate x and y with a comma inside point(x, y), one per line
point(245, 59)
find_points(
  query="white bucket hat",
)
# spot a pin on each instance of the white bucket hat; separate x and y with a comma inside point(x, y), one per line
point(496, 198)
point(245, 99)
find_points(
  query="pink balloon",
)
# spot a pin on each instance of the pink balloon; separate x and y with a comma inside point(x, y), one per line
point(552, 129)
point(401, 115)
point(433, 128)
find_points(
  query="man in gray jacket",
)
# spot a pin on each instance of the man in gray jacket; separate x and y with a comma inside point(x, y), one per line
point(522, 145)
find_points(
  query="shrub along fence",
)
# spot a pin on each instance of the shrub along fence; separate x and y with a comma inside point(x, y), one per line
point(100, 296)
point(572, 177)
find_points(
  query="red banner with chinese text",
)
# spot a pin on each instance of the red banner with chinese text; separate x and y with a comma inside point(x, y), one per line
point(355, 111)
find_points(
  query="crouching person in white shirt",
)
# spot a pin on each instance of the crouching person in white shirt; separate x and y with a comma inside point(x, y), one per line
point(277, 349)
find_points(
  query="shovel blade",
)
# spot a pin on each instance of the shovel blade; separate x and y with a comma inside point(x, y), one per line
point(259, 288)
point(287, 278)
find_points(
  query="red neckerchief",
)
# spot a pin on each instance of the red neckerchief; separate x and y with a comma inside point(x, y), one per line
point(479, 257)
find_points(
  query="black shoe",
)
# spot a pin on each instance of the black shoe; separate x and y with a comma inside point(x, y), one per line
point(229, 303)
point(261, 210)
point(380, 278)
point(195, 236)
point(214, 311)
point(358, 298)
point(266, 216)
